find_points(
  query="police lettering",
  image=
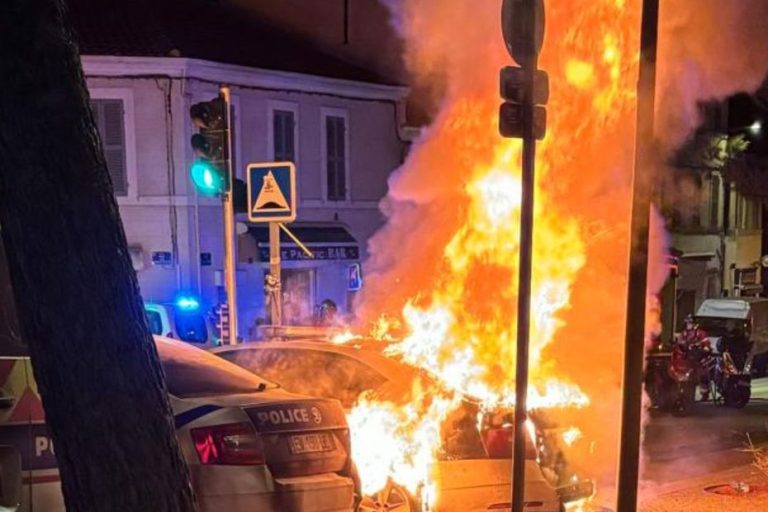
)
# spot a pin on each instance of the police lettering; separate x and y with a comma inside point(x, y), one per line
point(42, 445)
point(284, 416)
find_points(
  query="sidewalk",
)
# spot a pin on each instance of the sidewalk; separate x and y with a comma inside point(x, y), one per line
point(689, 495)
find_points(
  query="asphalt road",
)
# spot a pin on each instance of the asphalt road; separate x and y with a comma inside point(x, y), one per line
point(710, 439)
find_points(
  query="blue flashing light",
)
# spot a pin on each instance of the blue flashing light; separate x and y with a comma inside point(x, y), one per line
point(187, 303)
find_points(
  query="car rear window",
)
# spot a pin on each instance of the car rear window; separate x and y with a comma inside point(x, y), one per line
point(191, 327)
point(310, 372)
point(191, 372)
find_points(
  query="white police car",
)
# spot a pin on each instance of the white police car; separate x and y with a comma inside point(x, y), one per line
point(183, 320)
point(292, 452)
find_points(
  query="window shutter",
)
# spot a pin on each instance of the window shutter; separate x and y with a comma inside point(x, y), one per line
point(277, 134)
point(109, 120)
point(330, 151)
point(282, 133)
point(336, 158)
point(289, 133)
point(341, 155)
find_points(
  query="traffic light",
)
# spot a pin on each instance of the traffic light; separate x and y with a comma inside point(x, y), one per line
point(511, 111)
point(211, 146)
point(522, 25)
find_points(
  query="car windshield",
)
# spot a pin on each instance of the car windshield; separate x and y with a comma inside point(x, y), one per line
point(718, 326)
point(191, 372)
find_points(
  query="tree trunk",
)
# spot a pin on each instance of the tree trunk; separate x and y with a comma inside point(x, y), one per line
point(77, 296)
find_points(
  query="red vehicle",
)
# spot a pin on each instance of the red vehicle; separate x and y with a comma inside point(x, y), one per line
point(690, 366)
point(673, 376)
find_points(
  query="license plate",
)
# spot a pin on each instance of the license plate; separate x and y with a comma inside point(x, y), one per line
point(312, 443)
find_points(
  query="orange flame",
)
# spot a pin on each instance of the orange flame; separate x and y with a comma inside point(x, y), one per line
point(454, 211)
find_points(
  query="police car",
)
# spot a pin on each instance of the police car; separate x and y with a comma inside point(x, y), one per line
point(475, 473)
point(183, 320)
point(249, 444)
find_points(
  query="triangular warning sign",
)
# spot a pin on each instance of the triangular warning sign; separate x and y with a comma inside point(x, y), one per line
point(270, 198)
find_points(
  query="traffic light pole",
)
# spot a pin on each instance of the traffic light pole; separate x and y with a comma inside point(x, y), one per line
point(229, 228)
point(526, 257)
point(634, 348)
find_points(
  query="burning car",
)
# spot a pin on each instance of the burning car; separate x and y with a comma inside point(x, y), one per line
point(471, 466)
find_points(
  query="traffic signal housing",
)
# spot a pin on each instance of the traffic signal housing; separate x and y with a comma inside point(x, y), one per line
point(511, 79)
point(211, 146)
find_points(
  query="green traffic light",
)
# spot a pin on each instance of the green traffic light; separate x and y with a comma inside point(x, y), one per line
point(207, 178)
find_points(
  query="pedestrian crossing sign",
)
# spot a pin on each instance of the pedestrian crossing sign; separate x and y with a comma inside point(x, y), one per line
point(354, 277)
point(272, 192)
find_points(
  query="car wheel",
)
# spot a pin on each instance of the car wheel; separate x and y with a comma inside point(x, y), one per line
point(393, 498)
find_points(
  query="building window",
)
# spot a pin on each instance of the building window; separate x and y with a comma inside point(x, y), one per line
point(109, 116)
point(336, 157)
point(715, 185)
point(283, 135)
point(749, 213)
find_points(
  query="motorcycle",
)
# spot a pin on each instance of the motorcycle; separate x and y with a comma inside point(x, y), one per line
point(732, 372)
point(673, 375)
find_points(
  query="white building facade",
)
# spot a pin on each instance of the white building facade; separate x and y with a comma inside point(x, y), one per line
point(344, 137)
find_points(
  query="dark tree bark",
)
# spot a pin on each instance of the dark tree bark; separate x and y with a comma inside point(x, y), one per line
point(77, 296)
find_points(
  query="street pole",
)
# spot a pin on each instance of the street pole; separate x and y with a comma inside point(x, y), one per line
point(274, 271)
point(526, 256)
point(230, 280)
point(634, 349)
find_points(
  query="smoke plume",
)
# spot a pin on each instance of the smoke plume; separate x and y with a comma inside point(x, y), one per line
point(584, 171)
point(708, 50)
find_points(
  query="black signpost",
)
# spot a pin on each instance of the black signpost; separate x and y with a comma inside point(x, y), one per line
point(634, 348)
point(522, 24)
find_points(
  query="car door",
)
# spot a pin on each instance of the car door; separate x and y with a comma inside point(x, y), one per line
point(29, 477)
point(14, 436)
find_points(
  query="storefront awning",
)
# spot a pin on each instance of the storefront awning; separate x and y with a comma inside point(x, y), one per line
point(327, 242)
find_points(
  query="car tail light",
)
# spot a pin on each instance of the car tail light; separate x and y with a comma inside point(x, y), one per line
point(233, 444)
